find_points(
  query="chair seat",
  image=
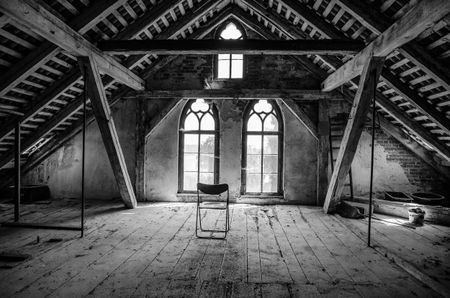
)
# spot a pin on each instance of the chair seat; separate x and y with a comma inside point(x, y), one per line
point(213, 205)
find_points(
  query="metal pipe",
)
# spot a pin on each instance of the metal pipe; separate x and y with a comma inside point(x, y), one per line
point(369, 226)
point(83, 154)
point(17, 150)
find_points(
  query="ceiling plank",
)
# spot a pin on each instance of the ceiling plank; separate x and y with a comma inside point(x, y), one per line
point(41, 21)
point(418, 19)
point(353, 130)
point(105, 121)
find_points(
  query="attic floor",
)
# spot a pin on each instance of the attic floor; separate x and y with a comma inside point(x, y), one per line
point(271, 251)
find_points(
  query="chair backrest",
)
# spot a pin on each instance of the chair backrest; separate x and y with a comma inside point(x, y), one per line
point(212, 189)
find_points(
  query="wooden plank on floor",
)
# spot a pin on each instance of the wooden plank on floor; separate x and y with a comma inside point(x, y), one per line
point(253, 254)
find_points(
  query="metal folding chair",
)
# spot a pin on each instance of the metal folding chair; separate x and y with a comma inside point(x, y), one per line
point(204, 203)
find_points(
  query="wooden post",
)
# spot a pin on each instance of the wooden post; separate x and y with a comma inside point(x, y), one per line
point(353, 130)
point(140, 133)
point(323, 150)
point(102, 113)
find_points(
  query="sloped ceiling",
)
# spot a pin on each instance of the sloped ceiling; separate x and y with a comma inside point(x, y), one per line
point(41, 85)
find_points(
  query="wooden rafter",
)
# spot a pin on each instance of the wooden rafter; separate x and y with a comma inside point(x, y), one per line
point(421, 17)
point(353, 130)
point(44, 23)
point(301, 116)
point(377, 23)
point(102, 113)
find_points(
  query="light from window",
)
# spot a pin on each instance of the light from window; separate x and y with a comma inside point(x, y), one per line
point(230, 66)
point(262, 152)
point(199, 137)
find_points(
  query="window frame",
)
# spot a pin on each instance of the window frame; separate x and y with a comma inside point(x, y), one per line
point(182, 133)
point(279, 133)
point(216, 57)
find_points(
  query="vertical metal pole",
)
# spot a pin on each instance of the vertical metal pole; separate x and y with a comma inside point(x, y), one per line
point(83, 154)
point(369, 226)
point(17, 150)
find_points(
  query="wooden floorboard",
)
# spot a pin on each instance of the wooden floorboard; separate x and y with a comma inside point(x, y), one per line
point(270, 251)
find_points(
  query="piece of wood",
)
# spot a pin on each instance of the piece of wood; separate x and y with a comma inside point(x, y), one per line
point(418, 19)
point(141, 115)
point(152, 124)
point(323, 149)
point(301, 116)
point(353, 130)
point(41, 21)
point(246, 47)
point(102, 112)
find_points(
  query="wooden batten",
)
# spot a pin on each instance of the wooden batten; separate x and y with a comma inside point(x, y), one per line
point(353, 130)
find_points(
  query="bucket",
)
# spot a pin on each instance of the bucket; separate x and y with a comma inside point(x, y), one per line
point(416, 216)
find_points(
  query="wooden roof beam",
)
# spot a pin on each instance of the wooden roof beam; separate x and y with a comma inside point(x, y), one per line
point(353, 130)
point(418, 19)
point(34, 16)
point(246, 47)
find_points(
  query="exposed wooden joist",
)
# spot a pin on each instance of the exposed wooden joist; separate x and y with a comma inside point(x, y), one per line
point(418, 19)
point(232, 94)
point(41, 21)
point(301, 116)
point(246, 47)
point(378, 22)
point(353, 130)
point(102, 113)
point(323, 149)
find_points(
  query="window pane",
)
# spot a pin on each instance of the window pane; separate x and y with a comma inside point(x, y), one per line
point(270, 123)
point(191, 122)
point(207, 178)
point(224, 56)
point(254, 144)
point(254, 163)
point(270, 183)
point(237, 67)
point(207, 144)
point(223, 71)
point(190, 162)
point(207, 122)
point(206, 163)
point(253, 183)
point(270, 164)
point(199, 106)
point(190, 181)
point(191, 143)
point(254, 123)
point(231, 32)
point(270, 144)
point(263, 106)
point(237, 56)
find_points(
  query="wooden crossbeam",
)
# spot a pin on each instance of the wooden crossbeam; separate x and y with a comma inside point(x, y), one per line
point(232, 94)
point(418, 19)
point(41, 21)
point(107, 129)
point(353, 130)
point(246, 47)
point(301, 116)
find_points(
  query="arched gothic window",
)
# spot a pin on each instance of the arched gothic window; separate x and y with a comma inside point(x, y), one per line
point(262, 149)
point(230, 66)
point(199, 145)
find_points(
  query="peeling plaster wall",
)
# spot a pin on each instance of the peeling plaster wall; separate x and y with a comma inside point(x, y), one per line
point(61, 171)
point(161, 161)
